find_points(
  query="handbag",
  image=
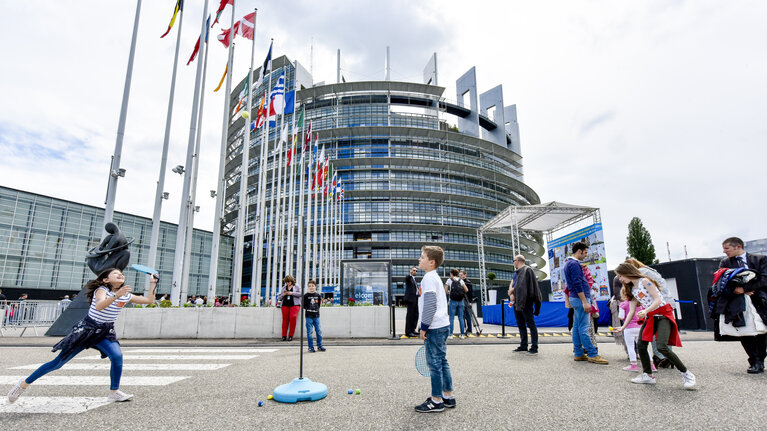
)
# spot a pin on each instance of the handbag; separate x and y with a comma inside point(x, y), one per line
point(754, 324)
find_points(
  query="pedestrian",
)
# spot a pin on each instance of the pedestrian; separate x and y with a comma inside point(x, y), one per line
point(107, 294)
point(657, 318)
point(432, 307)
point(629, 330)
point(468, 300)
point(64, 303)
point(456, 288)
point(756, 345)
point(579, 294)
point(615, 312)
point(199, 301)
point(411, 301)
point(289, 305)
point(526, 296)
point(312, 303)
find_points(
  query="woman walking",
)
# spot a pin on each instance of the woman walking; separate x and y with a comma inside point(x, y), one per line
point(107, 294)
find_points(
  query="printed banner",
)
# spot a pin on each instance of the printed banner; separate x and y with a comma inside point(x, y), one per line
point(596, 262)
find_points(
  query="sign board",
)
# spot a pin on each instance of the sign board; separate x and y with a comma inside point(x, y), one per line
point(596, 262)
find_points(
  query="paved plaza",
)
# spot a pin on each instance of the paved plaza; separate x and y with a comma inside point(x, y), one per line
point(216, 384)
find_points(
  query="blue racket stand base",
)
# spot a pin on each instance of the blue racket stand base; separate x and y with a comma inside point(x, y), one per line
point(300, 389)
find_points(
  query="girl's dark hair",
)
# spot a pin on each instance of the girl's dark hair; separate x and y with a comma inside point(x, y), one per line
point(92, 285)
point(627, 269)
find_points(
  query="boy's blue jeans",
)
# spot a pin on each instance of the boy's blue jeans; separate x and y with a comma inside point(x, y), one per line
point(436, 357)
point(581, 339)
point(110, 348)
point(456, 309)
point(313, 322)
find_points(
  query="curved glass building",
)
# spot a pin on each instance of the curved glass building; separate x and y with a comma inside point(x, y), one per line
point(417, 169)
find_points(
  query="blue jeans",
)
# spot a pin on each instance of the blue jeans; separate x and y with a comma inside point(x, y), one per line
point(313, 322)
point(456, 309)
point(110, 348)
point(436, 357)
point(581, 338)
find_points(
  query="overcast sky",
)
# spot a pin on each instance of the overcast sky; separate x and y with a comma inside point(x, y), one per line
point(644, 109)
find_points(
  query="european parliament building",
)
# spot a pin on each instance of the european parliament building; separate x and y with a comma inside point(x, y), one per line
point(44, 241)
point(417, 168)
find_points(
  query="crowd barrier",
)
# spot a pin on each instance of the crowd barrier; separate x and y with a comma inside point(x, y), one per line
point(28, 314)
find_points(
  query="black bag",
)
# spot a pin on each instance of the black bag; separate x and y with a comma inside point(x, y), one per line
point(456, 290)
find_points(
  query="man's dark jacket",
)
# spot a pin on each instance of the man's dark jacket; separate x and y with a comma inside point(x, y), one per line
point(526, 290)
point(411, 290)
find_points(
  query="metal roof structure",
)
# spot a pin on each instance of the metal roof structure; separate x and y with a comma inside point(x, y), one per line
point(545, 218)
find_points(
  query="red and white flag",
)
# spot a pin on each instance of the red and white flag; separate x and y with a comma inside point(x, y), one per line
point(244, 27)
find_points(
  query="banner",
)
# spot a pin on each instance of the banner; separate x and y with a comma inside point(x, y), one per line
point(596, 262)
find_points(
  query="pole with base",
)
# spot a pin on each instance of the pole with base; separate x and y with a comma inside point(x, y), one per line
point(300, 389)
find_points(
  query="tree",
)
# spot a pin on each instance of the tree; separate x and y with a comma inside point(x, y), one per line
point(639, 243)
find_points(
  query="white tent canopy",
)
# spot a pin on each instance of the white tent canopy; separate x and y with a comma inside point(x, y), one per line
point(542, 218)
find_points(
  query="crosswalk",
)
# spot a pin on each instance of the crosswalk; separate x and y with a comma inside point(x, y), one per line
point(187, 360)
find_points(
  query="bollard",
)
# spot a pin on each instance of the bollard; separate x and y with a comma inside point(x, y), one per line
point(503, 318)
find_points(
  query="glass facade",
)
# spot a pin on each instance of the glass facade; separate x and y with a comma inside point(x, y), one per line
point(410, 176)
point(44, 240)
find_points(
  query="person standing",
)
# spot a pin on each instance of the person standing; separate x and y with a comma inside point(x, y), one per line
point(457, 291)
point(432, 306)
point(756, 345)
point(580, 295)
point(411, 301)
point(469, 298)
point(312, 303)
point(526, 296)
point(289, 305)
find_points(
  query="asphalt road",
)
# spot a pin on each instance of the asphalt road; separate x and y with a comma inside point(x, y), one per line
point(495, 389)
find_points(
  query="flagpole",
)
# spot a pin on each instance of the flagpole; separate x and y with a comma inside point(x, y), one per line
point(114, 170)
point(299, 239)
point(240, 229)
point(309, 219)
point(178, 260)
point(221, 186)
point(314, 225)
point(152, 257)
point(195, 170)
point(305, 204)
point(277, 262)
point(263, 165)
point(291, 193)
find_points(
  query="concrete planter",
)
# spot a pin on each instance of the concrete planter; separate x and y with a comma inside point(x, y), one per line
point(246, 322)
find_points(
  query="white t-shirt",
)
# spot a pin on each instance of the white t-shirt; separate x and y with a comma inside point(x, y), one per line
point(198, 301)
point(432, 283)
point(642, 295)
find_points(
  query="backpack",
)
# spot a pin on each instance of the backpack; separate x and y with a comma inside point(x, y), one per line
point(456, 290)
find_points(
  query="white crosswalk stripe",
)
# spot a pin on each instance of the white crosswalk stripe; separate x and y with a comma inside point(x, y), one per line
point(165, 359)
point(133, 367)
point(96, 380)
point(129, 356)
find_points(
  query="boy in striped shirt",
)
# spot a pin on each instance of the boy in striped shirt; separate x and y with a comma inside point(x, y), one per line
point(432, 307)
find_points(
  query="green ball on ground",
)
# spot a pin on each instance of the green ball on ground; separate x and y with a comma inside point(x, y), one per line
point(357, 392)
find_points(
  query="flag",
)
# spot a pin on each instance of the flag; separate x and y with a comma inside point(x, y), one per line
point(197, 45)
point(242, 101)
point(328, 170)
point(226, 69)
point(290, 102)
point(267, 67)
point(260, 114)
point(221, 7)
point(277, 100)
point(176, 10)
point(308, 137)
point(245, 27)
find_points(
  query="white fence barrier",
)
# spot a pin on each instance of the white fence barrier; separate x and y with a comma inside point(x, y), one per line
point(29, 314)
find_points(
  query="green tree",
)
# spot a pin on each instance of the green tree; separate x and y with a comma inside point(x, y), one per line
point(639, 243)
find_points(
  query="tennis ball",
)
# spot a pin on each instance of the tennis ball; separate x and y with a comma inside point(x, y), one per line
point(351, 391)
point(610, 328)
point(357, 392)
point(245, 114)
point(269, 397)
point(260, 403)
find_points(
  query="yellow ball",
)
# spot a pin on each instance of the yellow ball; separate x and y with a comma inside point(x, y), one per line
point(245, 114)
point(269, 397)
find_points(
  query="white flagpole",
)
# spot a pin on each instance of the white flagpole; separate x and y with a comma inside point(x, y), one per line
point(324, 222)
point(114, 168)
point(278, 233)
point(221, 186)
point(178, 261)
point(239, 244)
point(314, 224)
point(152, 256)
point(305, 244)
point(272, 208)
point(194, 172)
point(291, 196)
point(299, 242)
point(263, 166)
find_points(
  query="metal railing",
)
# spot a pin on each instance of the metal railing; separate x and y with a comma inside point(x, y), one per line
point(29, 314)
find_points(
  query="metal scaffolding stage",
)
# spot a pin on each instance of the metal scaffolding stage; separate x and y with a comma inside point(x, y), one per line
point(544, 218)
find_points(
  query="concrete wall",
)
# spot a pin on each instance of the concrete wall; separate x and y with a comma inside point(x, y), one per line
point(246, 322)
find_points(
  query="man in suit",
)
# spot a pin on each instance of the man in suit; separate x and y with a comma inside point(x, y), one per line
point(755, 346)
point(526, 296)
point(411, 299)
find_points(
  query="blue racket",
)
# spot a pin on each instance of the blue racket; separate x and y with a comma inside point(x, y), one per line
point(146, 270)
point(420, 362)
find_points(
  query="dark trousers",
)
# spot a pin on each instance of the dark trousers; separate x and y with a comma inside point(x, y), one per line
point(755, 347)
point(467, 315)
point(525, 320)
point(411, 319)
point(663, 328)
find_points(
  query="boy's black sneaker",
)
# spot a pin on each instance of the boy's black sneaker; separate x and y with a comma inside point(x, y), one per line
point(321, 349)
point(449, 402)
point(429, 406)
point(520, 349)
point(311, 349)
point(532, 352)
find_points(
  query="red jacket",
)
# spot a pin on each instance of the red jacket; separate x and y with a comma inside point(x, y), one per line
point(649, 327)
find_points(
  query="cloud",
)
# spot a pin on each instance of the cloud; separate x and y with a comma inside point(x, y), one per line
point(596, 121)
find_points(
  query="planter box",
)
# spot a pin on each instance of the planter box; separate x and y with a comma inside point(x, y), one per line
point(246, 322)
